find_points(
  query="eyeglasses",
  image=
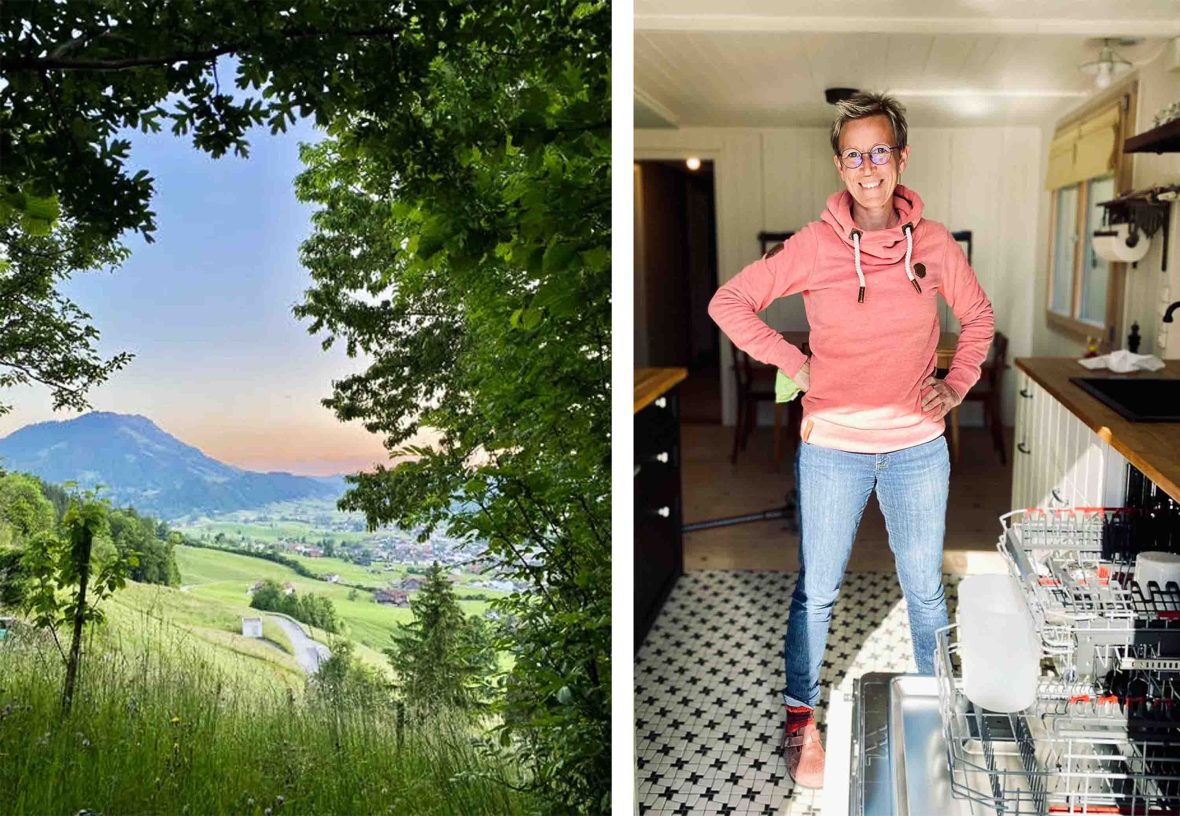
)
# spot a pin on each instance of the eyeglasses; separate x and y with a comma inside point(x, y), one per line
point(878, 155)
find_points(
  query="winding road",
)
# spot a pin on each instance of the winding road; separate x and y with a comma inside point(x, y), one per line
point(310, 653)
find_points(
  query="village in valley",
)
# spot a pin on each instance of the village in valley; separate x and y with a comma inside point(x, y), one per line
point(388, 563)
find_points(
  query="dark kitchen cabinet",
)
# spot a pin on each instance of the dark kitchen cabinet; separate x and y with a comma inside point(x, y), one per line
point(659, 558)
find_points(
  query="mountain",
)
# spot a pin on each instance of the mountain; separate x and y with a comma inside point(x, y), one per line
point(140, 465)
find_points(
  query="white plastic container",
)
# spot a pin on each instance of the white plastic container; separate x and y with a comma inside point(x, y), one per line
point(1154, 565)
point(998, 644)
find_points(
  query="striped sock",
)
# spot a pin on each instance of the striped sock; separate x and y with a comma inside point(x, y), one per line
point(799, 717)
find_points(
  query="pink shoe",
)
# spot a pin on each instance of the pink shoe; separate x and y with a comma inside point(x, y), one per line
point(805, 756)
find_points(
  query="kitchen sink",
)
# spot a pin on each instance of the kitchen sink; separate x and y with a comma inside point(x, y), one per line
point(1135, 398)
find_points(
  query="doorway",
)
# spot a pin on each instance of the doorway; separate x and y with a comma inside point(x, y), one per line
point(676, 276)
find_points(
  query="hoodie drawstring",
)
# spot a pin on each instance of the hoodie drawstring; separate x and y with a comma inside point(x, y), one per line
point(909, 251)
point(860, 275)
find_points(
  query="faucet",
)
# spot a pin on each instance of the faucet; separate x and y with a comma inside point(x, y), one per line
point(1168, 313)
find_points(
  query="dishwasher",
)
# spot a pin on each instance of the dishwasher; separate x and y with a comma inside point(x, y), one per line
point(1102, 737)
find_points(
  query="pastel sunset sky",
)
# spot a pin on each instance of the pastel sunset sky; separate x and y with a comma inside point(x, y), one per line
point(220, 361)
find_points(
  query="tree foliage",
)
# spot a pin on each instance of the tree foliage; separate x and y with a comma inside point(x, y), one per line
point(44, 336)
point(151, 542)
point(314, 610)
point(443, 658)
point(68, 579)
point(25, 515)
point(33, 512)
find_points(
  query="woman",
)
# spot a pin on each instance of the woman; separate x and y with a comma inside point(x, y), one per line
point(870, 271)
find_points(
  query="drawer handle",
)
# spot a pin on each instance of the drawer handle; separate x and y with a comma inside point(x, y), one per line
point(1024, 393)
point(662, 402)
point(1020, 447)
point(664, 511)
point(662, 457)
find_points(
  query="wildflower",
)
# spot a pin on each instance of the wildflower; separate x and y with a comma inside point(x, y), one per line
point(176, 720)
point(250, 802)
point(280, 800)
point(267, 812)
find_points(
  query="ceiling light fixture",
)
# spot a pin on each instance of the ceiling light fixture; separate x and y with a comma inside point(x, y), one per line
point(1108, 65)
point(693, 163)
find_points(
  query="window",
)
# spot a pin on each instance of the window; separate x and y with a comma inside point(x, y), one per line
point(1080, 278)
point(1086, 167)
point(1065, 239)
point(1095, 271)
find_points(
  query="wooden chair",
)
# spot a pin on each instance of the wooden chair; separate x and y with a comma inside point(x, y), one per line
point(989, 391)
point(755, 384)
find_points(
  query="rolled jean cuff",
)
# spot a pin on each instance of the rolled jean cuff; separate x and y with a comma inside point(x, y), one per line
point(791, 701)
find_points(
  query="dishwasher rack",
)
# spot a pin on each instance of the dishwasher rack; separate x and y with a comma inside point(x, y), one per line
point(1076, 567)
point(1070, 752)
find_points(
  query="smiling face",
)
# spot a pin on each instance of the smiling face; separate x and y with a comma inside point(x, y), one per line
point(871, 185)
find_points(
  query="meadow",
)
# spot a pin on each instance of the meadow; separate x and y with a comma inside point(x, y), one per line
point(178, 713)
point(225, 577)
point(165, 724)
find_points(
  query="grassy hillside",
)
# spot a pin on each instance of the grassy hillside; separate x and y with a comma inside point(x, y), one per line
point(176, 712)
point(174, 728)
point(145, 617)
point(225, 577)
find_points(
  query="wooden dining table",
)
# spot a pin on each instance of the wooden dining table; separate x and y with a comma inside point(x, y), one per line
point(944, 353)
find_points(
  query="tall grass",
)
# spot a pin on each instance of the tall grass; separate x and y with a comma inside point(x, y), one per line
point(161, 728)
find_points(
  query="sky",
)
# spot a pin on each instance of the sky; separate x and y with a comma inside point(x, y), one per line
point(220, 360)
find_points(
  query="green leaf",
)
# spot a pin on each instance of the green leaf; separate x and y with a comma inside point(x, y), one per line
point(557, 257)
point(531, 319)
point(45, 209)
point(35, 226)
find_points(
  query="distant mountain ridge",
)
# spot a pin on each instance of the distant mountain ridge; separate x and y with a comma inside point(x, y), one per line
point(141, 465)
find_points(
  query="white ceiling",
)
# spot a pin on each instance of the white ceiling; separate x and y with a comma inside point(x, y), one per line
point(765, 63)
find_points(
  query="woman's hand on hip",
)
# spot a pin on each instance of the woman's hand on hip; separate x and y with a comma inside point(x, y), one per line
point(802, 377)
point(938, 398)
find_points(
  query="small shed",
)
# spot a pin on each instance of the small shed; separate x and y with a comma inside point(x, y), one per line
point(252, 627)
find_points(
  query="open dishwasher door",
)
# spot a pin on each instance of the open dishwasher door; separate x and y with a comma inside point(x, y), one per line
point(899, 757)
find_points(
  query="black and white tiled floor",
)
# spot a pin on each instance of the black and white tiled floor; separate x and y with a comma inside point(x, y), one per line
point(708, 688)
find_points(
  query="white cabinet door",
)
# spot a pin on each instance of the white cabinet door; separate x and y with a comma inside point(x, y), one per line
point(1020, 456)
point(1057, 460)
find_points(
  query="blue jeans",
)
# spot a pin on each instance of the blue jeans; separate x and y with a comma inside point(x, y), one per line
point(834, 487)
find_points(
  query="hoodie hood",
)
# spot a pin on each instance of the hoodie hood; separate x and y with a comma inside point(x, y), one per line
point(884, 246)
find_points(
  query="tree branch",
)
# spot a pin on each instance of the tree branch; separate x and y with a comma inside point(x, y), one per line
point(46, 382)
point(61, 63)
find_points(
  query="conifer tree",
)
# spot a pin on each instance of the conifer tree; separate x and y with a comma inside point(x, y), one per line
point(444, 658)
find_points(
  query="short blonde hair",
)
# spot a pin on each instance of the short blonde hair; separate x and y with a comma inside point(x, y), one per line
point(864, 104)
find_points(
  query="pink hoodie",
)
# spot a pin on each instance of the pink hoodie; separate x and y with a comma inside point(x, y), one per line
point(869, 358)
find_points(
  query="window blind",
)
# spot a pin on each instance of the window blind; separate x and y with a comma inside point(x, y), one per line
point(1084, 149)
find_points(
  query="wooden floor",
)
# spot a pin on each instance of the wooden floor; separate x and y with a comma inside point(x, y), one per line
point(980, 491)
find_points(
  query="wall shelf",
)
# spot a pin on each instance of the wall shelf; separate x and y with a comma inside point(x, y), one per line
point(1162, 139)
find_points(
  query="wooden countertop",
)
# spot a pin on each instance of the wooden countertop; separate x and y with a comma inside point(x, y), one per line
point(650, 383)
point(1153, 447)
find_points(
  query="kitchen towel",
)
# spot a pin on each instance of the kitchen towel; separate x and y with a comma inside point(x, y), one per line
point(1124, 362)
point(785, 388)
